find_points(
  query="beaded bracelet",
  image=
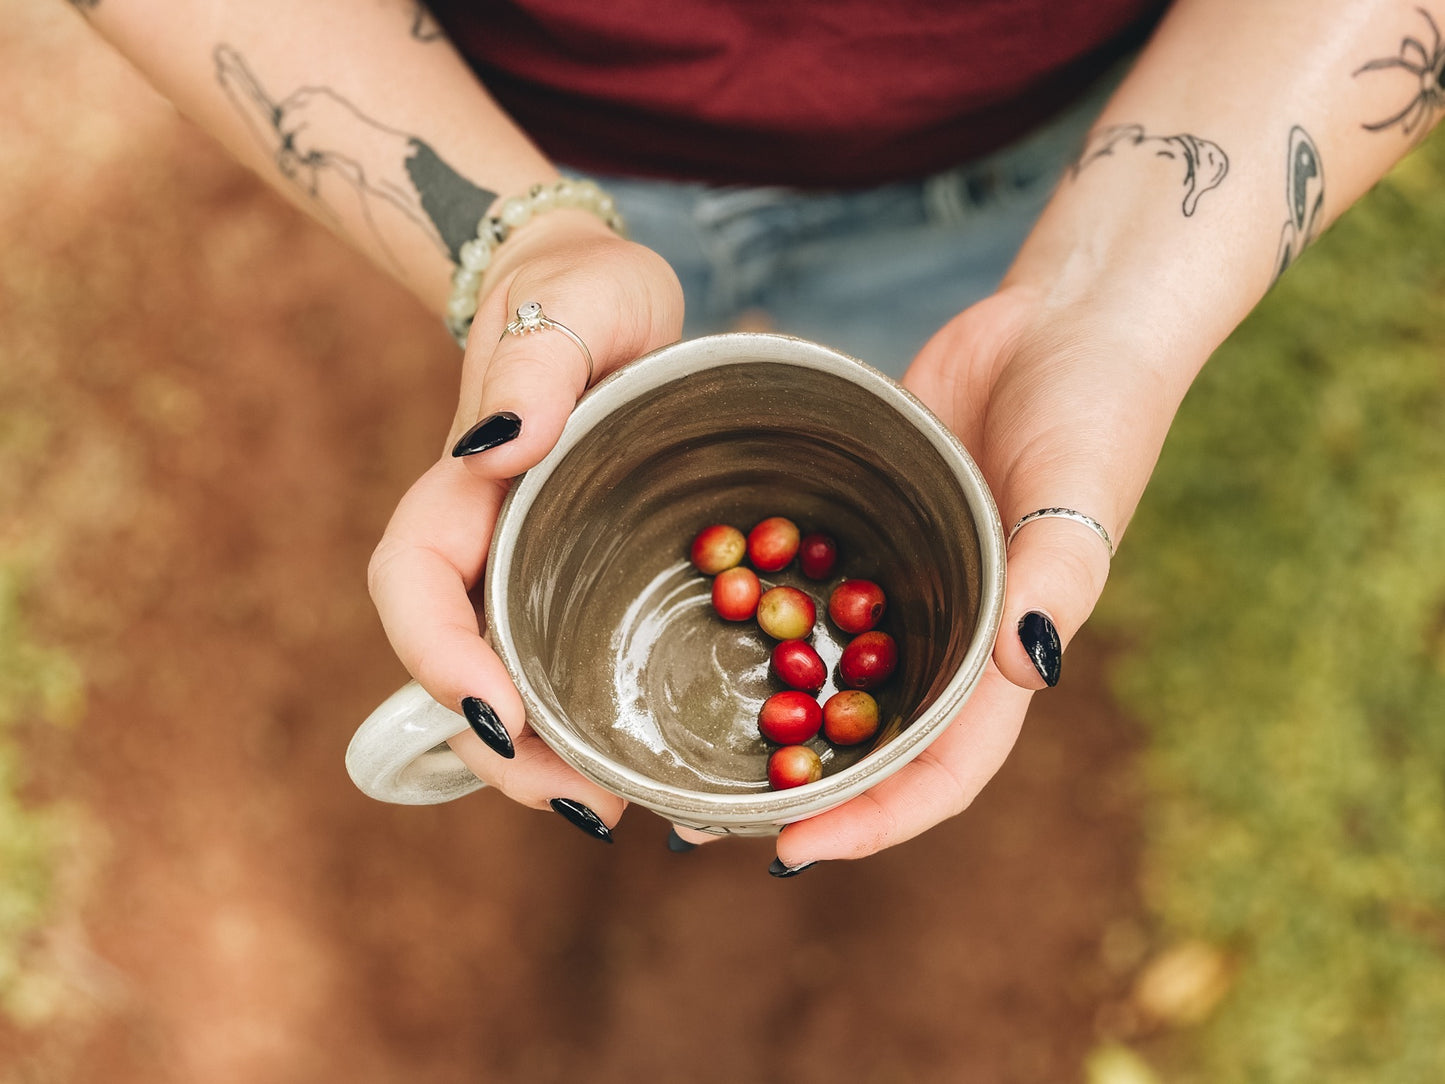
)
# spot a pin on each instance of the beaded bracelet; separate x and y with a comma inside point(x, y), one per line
point(517, 211)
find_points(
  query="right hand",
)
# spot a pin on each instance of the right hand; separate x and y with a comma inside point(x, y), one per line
point(622, 300)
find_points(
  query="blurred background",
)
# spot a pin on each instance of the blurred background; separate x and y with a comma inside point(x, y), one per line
point(1217, 854)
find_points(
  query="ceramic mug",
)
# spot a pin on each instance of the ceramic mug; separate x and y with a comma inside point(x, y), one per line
point(608, 631)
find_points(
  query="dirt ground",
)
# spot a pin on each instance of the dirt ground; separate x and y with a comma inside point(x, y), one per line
point(223, 405)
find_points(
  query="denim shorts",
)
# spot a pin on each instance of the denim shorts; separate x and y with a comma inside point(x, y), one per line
point(871, 272)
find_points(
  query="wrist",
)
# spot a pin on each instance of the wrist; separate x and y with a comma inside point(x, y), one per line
point(1133, 303)
point(566, 204)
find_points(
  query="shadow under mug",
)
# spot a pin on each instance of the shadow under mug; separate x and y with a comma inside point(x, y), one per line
point(607, 630)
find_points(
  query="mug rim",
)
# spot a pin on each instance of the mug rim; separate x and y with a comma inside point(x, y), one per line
point(707, 809)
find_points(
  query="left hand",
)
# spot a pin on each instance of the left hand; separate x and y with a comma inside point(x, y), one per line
point(1057, 412)
point(426, 574)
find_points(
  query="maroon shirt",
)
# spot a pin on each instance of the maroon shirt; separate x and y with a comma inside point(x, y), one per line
point(813, 93)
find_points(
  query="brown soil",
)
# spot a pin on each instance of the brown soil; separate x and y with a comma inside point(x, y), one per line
point(226, 404)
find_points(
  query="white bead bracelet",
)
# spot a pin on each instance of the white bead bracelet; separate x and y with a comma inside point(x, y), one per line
point(476, 254)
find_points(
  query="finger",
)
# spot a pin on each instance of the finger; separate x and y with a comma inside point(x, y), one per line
point(529, 384)
point(1061, 434)
point(682, 839)
point(521, 387)
point(1056, 573)
point(939, 783)
point(431, 555)
point(538, 778)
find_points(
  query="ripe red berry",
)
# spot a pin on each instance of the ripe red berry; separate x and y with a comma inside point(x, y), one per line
point(792, 766)
point(717, 548)
point(850, 717)
point(772, 544)
point(868, 660)
point(856, 605)
point(817, 554)
point(790, 717)
point(798, 665)
point(785, 613)
point(735, 594)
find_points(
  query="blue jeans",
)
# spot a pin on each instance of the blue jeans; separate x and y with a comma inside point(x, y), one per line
point(873, 272)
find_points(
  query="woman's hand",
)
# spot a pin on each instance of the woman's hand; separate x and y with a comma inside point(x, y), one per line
point(622, 300)
point(1057, 414)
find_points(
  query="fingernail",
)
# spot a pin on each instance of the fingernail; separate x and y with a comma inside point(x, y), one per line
point(777, 869)
point(488, 433)
point(582, 817)
point(1041, 641)
point(484, 722)
point(677, 845)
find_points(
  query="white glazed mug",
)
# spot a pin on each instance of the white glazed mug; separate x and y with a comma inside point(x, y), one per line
point(608, 633)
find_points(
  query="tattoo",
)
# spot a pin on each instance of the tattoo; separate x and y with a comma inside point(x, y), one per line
point(1428, 67)
point(84, 5)
point(423, 26)
point(328, 148)
point(452, 203)
point(1205, 164)
point(1305, 192)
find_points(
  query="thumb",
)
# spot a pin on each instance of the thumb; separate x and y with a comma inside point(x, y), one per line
point(531, 354)
point(1058, 561)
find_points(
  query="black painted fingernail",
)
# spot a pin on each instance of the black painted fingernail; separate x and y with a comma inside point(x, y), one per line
point(484, 722)
point(677, 845)
point(1041, 641)
point(777, 869)
point(582, 817)
point(488, 433)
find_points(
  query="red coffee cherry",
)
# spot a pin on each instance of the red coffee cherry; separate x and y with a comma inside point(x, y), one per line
point(772, 544)
point(856, 605)
point(735, 594)
point(850, 717)
point(790, 717)
point(868, 660)
point(798, 665)
point(792, 766)
point(717, 548)
point(785, 613)
point(817, 554)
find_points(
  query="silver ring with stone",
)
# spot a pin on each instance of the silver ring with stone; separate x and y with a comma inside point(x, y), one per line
point(531, 318)
point(1066, 513)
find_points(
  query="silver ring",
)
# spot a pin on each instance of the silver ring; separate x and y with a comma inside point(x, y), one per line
point(530, 318)
point(1065, 513)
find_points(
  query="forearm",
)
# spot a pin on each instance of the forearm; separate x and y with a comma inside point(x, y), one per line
point(1252, 126)
point(355, 112)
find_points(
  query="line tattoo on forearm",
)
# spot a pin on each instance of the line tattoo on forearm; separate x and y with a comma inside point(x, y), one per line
point(331, 150)
point(1428, 67)
point(1205, 163)
point(1305, 193)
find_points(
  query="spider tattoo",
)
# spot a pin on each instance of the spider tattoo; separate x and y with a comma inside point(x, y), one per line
point(1428, 65)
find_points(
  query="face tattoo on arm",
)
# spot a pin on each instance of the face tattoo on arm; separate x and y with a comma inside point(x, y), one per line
point(333, 152)
point(1305, 193)
point(1205, 163)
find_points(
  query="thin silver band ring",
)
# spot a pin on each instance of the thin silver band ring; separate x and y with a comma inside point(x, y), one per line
point(1066, 513)
point(530, 318)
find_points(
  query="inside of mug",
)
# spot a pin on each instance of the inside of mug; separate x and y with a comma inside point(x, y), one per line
point(613, 626)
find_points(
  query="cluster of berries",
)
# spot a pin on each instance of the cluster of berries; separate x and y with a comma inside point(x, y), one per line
point(792, 717)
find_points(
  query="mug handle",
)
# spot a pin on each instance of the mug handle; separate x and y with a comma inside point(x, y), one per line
point(399, 754)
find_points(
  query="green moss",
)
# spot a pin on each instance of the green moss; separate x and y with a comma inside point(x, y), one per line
point(1284, 587)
